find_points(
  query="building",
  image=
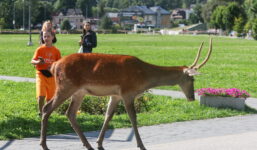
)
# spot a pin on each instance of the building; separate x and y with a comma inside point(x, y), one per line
point(153, 17)
point(74, 16)
point(179, 14)
point(162, 17)
point(114, 17)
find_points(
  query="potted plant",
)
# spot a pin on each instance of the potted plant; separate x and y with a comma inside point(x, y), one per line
point(223, 98)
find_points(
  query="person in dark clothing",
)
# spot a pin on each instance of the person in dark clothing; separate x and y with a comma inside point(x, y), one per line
point(88, 39)
point(47, 27)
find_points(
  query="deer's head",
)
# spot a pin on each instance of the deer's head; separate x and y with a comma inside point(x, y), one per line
point(187, 83)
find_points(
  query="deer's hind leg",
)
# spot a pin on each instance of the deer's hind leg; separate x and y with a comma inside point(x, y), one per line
point(75, 104)
point(114, 101)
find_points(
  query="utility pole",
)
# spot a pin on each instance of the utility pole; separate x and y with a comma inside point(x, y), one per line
point(13, 21)
point(23, 17)
point(44, 10)
point(97, 14)
point(30, 40)
point(86, 11)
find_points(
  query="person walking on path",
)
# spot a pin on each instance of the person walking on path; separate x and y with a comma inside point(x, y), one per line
point(88, 39)
point(43, 58)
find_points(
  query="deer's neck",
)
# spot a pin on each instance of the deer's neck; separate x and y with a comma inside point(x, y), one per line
point(161, 76)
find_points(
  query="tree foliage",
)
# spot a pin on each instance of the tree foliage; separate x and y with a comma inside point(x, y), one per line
point(106, 23)
point(217, 18)
point(86, 7)
point(196, 17)
point(239, 26)
point(229, 17)
point(232, 11)
point(209, 7)
point(254, 29)
point(62, 5)
point(65, 25)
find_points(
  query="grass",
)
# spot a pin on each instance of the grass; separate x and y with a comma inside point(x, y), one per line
point(232, 65)
point(18, 115)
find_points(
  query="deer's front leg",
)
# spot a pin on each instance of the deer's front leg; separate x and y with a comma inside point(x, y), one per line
point(129, 105)
point(76, 101)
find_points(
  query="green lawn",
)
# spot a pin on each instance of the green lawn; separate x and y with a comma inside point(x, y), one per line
point(19, 119)
point(232, 64)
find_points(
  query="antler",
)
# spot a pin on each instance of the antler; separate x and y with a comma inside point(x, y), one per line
point(207, 57)
point(197, 56)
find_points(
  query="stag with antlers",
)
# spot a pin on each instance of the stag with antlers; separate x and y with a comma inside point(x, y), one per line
point(119, 76)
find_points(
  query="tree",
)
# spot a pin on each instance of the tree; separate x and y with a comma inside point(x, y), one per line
point(232, 11)
point(217, 18)
point(106, 23)
point(196, 17)
point(86, 7)
point(44, 12)
point(65, 25)
point(1, 23)
point(6, 7)
point(248, 27)
point(254, 29)
point(209, 7)
point(239, 26)
point(253, 10)
point(63, 5)
point(100, 8)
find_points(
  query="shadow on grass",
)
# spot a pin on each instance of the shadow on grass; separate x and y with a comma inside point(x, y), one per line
point(15, 127)
point(250, 110)
point(21, 127)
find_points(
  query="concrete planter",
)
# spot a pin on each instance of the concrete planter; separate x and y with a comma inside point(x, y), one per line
point(223, 102)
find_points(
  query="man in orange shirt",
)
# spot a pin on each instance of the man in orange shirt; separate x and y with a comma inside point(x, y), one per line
point(43, 58)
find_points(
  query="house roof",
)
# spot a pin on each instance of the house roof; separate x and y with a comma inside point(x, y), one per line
point(162, 11)
point(143, 9)
point(73, 12)
point(147, 11)
point(112, 15)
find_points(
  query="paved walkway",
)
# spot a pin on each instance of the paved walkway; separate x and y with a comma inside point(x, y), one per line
point(231, 133)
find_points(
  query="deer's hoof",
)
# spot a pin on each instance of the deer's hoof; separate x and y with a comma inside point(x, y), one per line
point(100, 148)
point(44, 147)
point(91, 148)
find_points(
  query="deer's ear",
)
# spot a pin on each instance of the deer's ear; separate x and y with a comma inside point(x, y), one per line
point(191, 72)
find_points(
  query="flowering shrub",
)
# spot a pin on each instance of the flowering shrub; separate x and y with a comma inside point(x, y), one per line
point(233, 92)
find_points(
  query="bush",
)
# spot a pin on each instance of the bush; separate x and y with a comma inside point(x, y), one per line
point(106, 23)
point(98, 105)
point(254, 29)
point(66, 25)
point(239, 26)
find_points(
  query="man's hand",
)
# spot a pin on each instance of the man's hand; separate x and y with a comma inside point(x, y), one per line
point(41, 60)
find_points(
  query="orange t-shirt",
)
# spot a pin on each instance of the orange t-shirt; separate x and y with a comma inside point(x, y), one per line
point(49, 54)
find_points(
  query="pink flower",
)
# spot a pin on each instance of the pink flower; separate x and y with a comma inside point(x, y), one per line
point(233, 92)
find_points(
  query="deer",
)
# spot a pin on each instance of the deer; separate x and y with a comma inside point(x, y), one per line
point(121, 77)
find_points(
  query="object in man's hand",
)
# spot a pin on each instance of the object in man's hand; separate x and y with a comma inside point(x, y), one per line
point(41, 59)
